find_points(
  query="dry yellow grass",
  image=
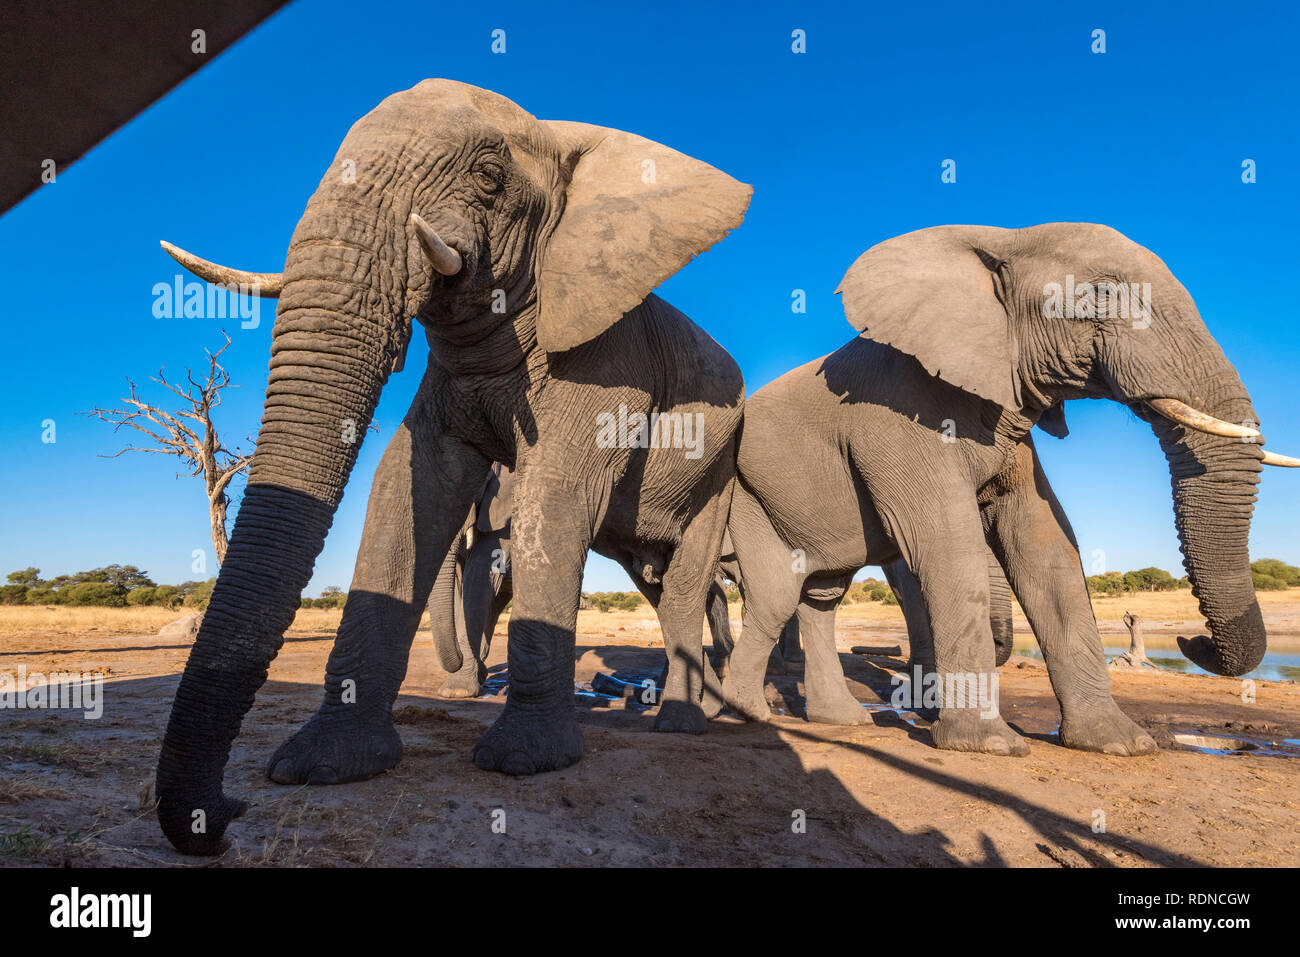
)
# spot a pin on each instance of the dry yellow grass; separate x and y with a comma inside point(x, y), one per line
point(17, 620)
point(58, 620)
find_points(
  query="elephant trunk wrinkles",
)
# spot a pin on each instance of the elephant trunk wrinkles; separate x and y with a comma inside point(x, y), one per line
point(330, 355)
point(1214, 494)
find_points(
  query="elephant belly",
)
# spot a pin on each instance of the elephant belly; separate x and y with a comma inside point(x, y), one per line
point(660, 402)
point(797, 470)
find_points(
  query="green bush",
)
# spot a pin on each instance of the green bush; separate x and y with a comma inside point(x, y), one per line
point(869, 589)
point(610, 600)
point(1149, 579)
point(104, 594)
point(43, 596)
point(1268, 582)
point(331, 597)
point(141, 596)
point(201, 594)
point(13, 594)
point(169, 596)
point(1272, 568)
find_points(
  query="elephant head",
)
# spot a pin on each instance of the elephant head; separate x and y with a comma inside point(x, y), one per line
point(508, 237)
point(1031, 317)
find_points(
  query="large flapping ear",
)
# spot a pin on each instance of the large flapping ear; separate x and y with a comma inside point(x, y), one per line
point(636, 212)
point(937, 294)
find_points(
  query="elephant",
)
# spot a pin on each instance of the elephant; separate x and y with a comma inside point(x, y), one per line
point(528, 250)
point(474, 587)
point(916, 437)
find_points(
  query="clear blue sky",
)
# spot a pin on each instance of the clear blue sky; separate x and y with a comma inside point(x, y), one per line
point(843, 145)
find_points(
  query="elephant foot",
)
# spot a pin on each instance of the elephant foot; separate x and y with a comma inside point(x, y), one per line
point(751, 705)
point(526, 741)
point(1103, 727)
point(681, 717)
point(179, 823)
point(962, 729)
point(836, 709)
point(465, 683)
point(334, 748)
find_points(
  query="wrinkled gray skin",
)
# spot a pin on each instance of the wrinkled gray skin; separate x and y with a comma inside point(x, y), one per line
point(530, 269)
point(912, 441)
point(912, 603)
point(920, 640)
point(474, 587)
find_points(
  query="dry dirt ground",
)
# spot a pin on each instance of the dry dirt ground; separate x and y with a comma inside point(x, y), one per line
point(789, 792)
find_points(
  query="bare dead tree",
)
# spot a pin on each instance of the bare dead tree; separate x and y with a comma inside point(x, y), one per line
point(188, 434)
point(1136, 656)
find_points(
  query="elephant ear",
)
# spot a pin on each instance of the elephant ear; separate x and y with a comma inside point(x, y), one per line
point(937, 294)
point(1052, 421)
point(635, 213)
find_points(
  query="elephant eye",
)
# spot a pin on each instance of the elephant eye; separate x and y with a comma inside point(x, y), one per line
point(489, 178)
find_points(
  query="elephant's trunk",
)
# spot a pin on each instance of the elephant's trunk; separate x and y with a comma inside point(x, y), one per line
point(443, 611)
point(334, 342)
point(1214, 483)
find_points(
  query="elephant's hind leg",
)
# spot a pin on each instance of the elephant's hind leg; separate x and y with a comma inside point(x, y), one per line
point(770, 587)
point(829, 700)
point(941, 538)
point(692, 691)
point(421, 493)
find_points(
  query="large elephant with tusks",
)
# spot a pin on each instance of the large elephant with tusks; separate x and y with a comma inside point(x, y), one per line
point(527, 250)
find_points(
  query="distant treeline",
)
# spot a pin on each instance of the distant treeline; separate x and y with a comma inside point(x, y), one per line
point(1269, 574)
point(120, 586)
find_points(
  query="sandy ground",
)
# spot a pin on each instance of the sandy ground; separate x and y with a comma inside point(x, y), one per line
point(788, 792)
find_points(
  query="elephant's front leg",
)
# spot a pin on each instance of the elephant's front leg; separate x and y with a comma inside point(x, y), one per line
point(551, 531)
point(421, 493)
point(1036, 545)
point(942, 541)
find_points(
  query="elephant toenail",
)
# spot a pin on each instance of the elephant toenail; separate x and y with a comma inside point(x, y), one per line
point(517, 762)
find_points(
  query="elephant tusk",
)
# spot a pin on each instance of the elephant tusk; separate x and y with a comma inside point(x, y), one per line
point(1285, 461)
point(1185, 415)
point(445, 259)
point(267, 285)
